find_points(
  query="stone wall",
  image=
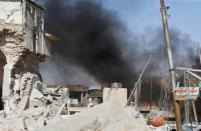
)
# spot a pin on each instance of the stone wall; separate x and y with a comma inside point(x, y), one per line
point(23, 45)
point(21, 71)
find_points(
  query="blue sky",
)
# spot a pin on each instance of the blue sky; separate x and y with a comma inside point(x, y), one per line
point(137, 15)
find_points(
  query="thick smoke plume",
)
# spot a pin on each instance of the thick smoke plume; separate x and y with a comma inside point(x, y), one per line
point(89, 38)
point(95, 47)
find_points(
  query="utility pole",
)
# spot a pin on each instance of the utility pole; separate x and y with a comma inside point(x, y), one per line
point(151, 95)
point(199, 52)
point(170, 61)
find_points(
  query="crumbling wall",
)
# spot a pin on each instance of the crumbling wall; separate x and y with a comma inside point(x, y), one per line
point(23, 44)
point(28, 81)
point(12, 45)
point(11, 12)
point(21, 71)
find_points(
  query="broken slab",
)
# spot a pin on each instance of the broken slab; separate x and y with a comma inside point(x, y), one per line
point(115, 94)
point(17, 124)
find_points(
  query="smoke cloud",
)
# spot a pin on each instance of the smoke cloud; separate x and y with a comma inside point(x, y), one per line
point(95, 47)
point(90, 38)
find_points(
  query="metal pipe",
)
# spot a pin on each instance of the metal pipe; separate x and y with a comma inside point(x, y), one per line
point(135, 86)
point(170, 61)
point(189, 69)
point(193, 74)
point(195, 112)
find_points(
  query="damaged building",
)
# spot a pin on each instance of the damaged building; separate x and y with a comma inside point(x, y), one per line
point(23, 46)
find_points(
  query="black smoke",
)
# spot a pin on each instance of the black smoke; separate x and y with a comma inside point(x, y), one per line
point(95, 46)
point(89, 37)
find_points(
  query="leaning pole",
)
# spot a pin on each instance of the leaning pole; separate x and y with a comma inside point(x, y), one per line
point(170, 61)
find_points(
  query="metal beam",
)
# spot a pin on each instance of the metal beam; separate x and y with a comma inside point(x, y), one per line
point(194, 112)
point(189, 69)
point(135, 86)
point(193, 74)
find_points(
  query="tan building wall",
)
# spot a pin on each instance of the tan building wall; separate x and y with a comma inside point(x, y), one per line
point(115, 94)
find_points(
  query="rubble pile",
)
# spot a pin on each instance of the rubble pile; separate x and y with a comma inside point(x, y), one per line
point(25, 121)
point(38, 113)
point(109, 116)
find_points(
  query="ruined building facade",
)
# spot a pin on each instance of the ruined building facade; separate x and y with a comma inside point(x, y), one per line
point(23, 45)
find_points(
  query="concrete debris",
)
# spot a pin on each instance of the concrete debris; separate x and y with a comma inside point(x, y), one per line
point(50, 108)
point(26, 120)
point(2, 114)
point(109, 116)
point(17, 124)
point(119, 94)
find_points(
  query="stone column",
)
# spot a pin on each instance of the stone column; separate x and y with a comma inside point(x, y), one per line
point(7, 83)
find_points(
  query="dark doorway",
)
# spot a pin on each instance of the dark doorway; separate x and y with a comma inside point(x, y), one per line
point(2, 64)
point(34, 41)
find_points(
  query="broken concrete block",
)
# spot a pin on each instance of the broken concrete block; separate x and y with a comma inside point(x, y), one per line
point(2, 114)
point(17, 123)
point(36, 94)
point(115, 94)
point(30, 124)
point(40, 122)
